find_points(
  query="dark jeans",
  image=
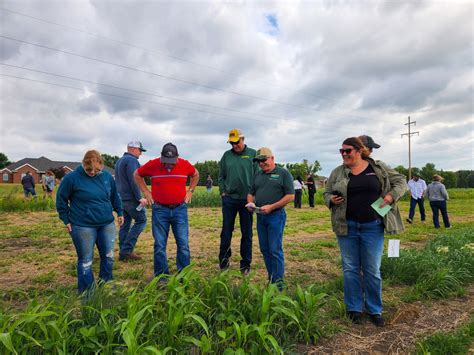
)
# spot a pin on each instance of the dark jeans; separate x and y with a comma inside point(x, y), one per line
point(84, 239)
point(437, 206)
point(128, 236)
point(421, 203)
point(311, 197)
point(298, 194)
point(29, 190)
point(230, 208)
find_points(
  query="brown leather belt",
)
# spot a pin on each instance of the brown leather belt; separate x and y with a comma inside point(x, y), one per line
point(171, 206)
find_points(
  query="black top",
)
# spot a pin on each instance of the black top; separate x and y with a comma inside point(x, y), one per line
point(362, 191)
point(311, 185)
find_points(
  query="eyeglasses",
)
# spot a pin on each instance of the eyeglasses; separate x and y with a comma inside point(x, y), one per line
point(347, 151)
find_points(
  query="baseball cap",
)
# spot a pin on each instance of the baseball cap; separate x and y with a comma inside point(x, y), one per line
point(169, 154)
point(369, 142)
point(262, 154)
point(234, 135)
point(136, 144)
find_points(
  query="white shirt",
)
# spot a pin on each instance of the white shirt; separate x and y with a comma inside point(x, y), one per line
point(297, 185)
point(417, 188)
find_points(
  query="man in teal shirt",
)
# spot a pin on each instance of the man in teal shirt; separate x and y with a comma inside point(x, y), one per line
point(272, 189)
point(236, 170)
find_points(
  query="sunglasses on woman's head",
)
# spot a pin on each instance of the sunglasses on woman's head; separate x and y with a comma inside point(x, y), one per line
point(347, 151)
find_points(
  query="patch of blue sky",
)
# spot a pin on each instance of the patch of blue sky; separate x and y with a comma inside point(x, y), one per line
point(272, 27)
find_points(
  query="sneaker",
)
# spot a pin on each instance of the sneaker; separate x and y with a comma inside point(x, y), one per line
point(355, 317)
point(129, 256)
point(245, 271)
point(377, 320)
point(409, 220)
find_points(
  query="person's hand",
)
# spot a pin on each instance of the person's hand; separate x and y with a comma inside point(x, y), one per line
point(387, 200)
point(250, 206)
point(143, 202)
point(266, 209)
point(69, 227)
point(223, 194)
point(148, 197)
point(120, 220)
point(337, 200)
point(189, 196)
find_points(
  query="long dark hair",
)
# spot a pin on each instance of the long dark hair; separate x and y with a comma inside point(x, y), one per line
point(356, 142)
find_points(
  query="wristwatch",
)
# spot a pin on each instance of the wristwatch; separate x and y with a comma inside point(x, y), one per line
point(192, 190)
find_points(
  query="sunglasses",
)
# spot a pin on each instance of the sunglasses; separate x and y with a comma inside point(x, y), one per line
point(262, 160)
point(235, 143)
point(347, 151)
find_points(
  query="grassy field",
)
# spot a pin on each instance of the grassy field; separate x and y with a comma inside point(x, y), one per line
point(223, 313)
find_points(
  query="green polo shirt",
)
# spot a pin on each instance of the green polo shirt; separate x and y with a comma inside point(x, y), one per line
point(269, 188)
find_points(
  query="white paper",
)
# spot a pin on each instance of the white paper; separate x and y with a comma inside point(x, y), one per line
point(393, 248)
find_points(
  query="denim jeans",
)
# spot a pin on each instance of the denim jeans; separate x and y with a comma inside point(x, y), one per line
point(421, 203)
point(128, 236)
point(361, 252)
point(270, 237)
point(84, 239)
point(162, 218)
point(230, 208)
point(29, 190)
point(436, 207)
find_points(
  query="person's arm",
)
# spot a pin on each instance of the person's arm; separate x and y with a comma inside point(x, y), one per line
point(444, 192)
point(192, 185)
point(142, 186)
point(398, 185)
point(63, 197)
point(280, 203)
point(116, 200)
point(130, 171)
point(329, 199)
point(222, 176)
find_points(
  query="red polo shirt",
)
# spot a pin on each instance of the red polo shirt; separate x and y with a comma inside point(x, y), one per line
point(167, 187)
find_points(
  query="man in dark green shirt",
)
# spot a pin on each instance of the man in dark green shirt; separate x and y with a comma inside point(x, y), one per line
point(272, 189)
point(236, 170)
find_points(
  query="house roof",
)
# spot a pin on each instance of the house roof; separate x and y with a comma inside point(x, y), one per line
point(42, 164)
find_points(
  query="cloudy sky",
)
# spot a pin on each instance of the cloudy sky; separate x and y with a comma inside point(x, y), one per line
point(296, 76)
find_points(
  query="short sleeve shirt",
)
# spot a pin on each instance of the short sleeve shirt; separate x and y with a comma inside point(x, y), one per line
point(167, 187)
point(269, 188)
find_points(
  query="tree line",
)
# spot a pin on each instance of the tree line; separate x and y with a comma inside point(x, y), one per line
point(452, 179)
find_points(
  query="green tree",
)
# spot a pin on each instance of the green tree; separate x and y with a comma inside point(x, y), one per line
point(210, 167)
point(303, 169)
point(4, 160)
point(450, 179)
point(110, 160)
point(402, 170)
point(470, 180)
point(463, 178)
point(428, 171)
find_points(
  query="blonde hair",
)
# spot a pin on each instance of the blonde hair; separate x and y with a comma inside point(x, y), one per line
point(91, 157)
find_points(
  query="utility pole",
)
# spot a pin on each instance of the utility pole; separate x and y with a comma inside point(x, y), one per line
point(409, 134)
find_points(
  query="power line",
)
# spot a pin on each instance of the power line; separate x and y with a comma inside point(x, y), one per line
point(161, 53)
point(179, 80)
point(409, 134)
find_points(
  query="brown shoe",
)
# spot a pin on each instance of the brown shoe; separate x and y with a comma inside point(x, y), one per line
point(129, 256)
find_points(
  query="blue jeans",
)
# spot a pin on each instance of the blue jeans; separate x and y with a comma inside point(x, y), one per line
point(128, 236)
point(230, 208)
point(421, 203)
point(84, 239)
point(162, 218)
point(29, 190)
point(270, 237)
point(436, 207)
point(361, 252)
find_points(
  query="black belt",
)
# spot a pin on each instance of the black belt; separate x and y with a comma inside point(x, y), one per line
point(171, 206)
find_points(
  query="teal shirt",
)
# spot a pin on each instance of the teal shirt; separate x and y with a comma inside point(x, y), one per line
point(269, 188)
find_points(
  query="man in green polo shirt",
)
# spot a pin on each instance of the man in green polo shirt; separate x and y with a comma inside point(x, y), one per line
point(272, 189)
point(236, 170)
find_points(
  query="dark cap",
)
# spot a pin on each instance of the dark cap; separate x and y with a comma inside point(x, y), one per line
point(369, 142)
point(169, 154)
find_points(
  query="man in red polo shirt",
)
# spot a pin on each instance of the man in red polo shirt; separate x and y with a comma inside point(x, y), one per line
point(169, 199)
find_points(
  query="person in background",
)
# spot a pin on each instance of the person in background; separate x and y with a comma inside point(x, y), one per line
point(272, 189)
point(350, 190)
point(28, 183)
point(311, 189)
point(169, 199)
point(369, 143)
point(298, 186)
point(236, 171)
point(132, 201)
point(417, 188)
point(209, 183)
point(49, 180)
point(85, 202)
point(438, 197)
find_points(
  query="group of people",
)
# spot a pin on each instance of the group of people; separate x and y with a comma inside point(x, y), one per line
point(301, 186)
point(47, 183)
point(250, 183)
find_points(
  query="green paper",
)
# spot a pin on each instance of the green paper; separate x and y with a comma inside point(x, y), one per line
point(381, 211)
